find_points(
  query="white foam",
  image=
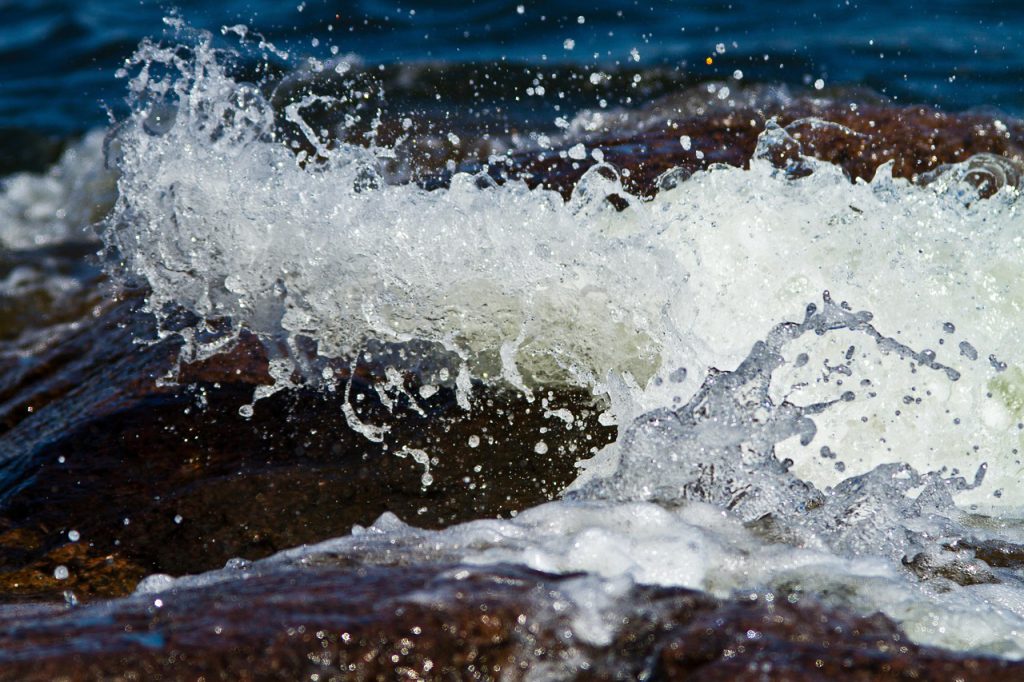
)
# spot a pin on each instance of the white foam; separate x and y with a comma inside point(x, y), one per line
point(226, 222)
point(60, 205)
point(695, 546)
point(524, 289)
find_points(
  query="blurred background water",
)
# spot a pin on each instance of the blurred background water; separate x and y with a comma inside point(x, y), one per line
point(58, 57)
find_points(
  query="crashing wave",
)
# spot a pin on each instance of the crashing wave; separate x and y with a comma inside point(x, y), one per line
point(308, 247)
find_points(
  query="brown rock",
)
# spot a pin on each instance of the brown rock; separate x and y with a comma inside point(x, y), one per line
point(917, 139)
point(170, 478)
point(452, 622)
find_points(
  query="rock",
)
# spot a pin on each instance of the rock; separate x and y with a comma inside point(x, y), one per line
point(917, 139)
point(330, 622)
point(166, 478)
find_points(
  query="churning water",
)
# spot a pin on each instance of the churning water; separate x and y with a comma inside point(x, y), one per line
point(818, 382)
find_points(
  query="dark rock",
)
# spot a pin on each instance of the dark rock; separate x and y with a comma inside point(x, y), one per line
point(170, 478)
point(917, 139)
point(25, 150)
point(780, 640)
point(452, 622)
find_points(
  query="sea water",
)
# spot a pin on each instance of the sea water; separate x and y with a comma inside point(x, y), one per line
point(817, 382)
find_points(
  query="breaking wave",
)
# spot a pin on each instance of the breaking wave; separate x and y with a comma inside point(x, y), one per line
point(842, 455)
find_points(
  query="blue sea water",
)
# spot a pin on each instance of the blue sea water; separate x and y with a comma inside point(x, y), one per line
point(58, 57)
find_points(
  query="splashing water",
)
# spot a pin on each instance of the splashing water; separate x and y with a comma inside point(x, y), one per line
point(222, 218)
point(324, 249)
point(882, 541)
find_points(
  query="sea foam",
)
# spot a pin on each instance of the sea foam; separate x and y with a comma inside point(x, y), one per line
point(62, 204)
point(222, 218)
point(829, 456)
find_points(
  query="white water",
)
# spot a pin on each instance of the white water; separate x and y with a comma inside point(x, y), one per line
point(529, 289)
point(696, 546)
point(521, 288)
point(60, 205)
point(658, 515)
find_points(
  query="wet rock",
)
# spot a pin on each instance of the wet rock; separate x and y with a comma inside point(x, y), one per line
point(957, 567)
point(751, 639)
point(860, 137)
point(365, 624)
point(453, 622)
point(168, 477)
point(997, 553)
point(46, 286)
